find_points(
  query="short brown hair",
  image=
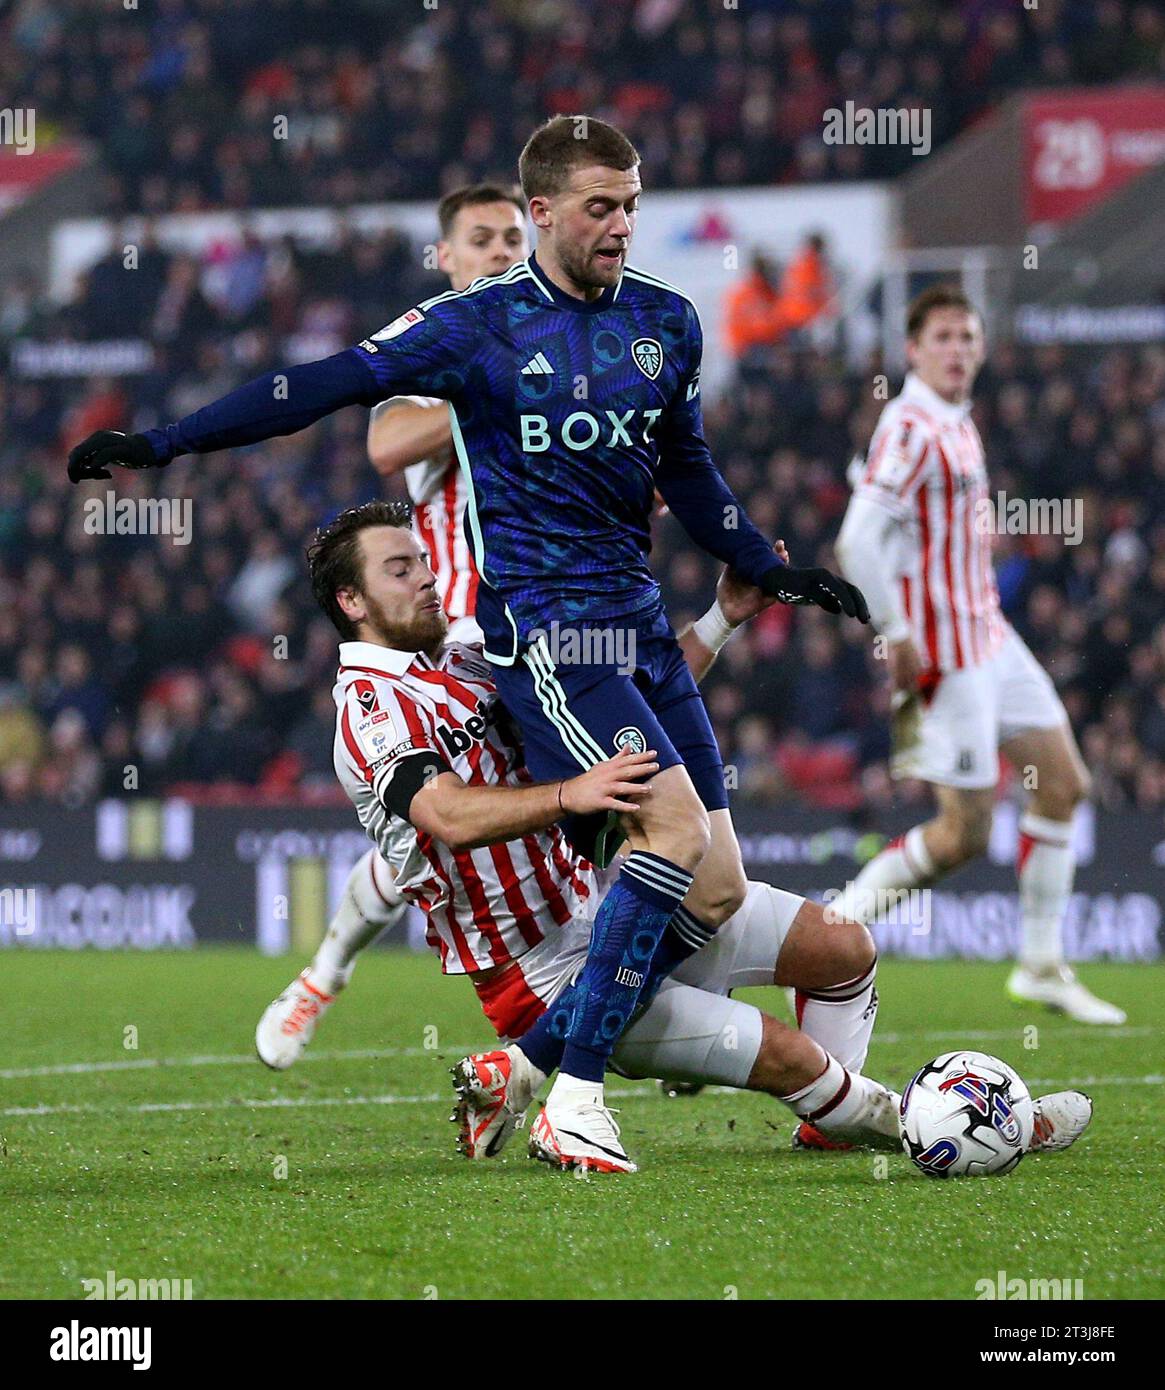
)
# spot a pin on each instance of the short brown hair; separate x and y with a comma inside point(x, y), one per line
point(564, 143)
point(475, 195)
point(333, 558)
point(932, 298)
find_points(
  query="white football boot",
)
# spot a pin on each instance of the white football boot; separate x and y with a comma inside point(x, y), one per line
point(1059, 989)
point(875, 1126)
point(289, 1023)
point(578, 1131)
point(1061, 1117)
point(494, 1090)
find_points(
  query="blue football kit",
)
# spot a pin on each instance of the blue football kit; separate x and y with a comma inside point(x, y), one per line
point(567, 415)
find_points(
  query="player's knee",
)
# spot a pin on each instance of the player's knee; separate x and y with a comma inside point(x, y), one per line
point(714, 901)
point(967, 836)
point(854, 951)
point(845, 948)
point(692, 840)
point(1056, 796)
point(683, 836)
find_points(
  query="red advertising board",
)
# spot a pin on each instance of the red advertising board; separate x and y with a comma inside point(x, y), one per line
point(24, 168)
point(1080, 146)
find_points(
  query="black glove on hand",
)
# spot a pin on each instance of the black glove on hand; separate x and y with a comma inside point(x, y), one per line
point(94, 457)
point(817, 586)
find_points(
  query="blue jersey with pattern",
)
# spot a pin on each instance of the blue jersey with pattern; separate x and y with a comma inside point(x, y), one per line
point(566, 415)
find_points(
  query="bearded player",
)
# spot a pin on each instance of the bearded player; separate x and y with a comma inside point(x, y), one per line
point(434, 767)
point(573, 383)
point(966, 686)
point(483, 233)
point(435, 770)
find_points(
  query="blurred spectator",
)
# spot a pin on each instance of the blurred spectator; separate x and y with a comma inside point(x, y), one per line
point(207, 663)
point(249, 104)
point(753, 314)
point(807, 288)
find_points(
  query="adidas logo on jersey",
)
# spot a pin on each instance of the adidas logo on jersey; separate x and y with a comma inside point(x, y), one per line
point(538, 366)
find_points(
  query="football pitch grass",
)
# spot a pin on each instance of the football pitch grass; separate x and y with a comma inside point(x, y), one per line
point(184, 1158)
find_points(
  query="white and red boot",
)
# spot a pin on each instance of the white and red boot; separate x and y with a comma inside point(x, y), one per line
point(289, 1023)
point(494, 1090)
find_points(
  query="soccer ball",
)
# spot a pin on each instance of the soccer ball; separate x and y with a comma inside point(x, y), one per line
point(966, 1114)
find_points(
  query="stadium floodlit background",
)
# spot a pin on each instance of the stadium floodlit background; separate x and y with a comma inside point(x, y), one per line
point(217, 188)
point(193, 192)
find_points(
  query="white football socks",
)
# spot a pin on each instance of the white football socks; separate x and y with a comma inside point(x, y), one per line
point(841, 1018)
point(1046, 867)
point(904, 863)
point(841, 1101)
point(369, 903)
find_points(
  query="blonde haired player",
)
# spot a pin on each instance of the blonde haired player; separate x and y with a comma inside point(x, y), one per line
point(966, 684)
point(483, 232)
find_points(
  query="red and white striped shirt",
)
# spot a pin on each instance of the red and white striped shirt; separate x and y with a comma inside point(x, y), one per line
point(927, 466)
point(484, 906)
point(438, 493)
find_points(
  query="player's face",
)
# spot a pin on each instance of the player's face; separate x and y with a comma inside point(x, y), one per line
point(948, 352)
point(397, 604)
point(588, 227)
point(483, 240)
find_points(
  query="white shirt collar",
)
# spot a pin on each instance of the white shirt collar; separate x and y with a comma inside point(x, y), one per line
point(371, 656)
point(915, 389)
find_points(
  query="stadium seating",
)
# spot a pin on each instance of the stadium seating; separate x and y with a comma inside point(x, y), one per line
point(162, 655)
point(375, 105)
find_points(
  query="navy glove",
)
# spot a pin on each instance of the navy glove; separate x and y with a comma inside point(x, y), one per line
point(94, 457)
point(817, 586)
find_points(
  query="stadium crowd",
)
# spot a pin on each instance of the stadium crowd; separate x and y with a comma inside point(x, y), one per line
point(195, 658)
point(202, 104)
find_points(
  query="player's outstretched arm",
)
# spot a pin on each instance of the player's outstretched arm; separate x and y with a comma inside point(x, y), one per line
point(867, 546)
point(274, 404)
point(867, 540)
point(709, 511)
point(715, 520)
point(465, 817)
point(423, 352)
point(405, 430)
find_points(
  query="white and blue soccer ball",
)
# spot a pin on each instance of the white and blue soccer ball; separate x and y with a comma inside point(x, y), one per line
point(966, 1115)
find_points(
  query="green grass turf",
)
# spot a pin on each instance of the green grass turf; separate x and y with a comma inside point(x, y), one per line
point(376, 1203)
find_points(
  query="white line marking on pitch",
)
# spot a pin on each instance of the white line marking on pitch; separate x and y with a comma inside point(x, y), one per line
point(308, 1102)
point(268, 1103)
point(235, 1060)
point(1003, 1035)
point(371, 1054)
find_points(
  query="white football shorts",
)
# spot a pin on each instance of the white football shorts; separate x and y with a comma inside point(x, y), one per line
point(693, 1030)
point(955, 740)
